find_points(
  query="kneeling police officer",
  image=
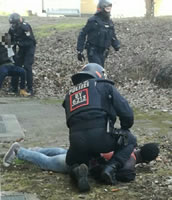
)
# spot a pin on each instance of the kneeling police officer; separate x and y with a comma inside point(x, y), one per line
point(92, 106)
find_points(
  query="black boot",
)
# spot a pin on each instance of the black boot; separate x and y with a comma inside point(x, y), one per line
point(108, 175)
point(80, 175)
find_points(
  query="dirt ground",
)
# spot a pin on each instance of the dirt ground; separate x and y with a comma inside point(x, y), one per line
point(145, 49)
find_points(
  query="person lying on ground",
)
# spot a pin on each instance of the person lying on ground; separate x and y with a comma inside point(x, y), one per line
point(7, 67)
point(53, 159)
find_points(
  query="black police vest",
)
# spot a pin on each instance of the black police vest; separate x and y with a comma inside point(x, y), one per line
point(19, 35)
point(103, 34)
point(83, 97)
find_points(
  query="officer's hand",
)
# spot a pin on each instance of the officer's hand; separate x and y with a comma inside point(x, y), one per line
point(81, 56)
point(116, 45)
point(117, 48)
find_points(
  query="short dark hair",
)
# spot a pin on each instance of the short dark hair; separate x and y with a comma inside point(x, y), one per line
point(149, 152)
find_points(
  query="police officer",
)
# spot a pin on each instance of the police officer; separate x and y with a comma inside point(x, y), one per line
point(23, 38)
point(92, 106)
point(98, 35)
point(7, 67)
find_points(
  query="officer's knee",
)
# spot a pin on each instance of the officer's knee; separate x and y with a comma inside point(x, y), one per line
point(28, 68)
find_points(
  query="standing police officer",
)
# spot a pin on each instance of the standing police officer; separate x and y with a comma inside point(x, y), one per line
point(92, 106)
point(23, 38)
point(100, 34)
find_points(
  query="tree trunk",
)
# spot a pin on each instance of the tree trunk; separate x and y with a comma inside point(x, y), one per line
point(149, 8)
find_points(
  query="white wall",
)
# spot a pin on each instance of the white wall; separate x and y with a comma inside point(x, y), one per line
point(61, 4)
point(121, 8)
point(128, 8)
point(21, 6)
point(165, 8)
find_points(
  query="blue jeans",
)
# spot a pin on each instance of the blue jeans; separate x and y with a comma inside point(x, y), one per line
point(52, 159)
point(14, 71)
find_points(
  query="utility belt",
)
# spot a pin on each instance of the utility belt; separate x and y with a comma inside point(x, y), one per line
point(91, 124)
point(121, 135)
point(92, 48)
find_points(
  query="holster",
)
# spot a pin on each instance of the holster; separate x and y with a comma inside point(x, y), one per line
point(120, 134)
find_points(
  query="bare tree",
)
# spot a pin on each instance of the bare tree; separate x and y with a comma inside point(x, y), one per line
point(149, 8)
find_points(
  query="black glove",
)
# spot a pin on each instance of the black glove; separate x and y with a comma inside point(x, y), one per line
point(81, 56)
point(117, 48)
point(116, 45)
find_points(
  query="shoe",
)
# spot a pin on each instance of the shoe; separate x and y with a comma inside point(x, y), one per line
point(81, 175)
point(30, 92)
point(24, 93)
point(11, 154)
point(108, 175)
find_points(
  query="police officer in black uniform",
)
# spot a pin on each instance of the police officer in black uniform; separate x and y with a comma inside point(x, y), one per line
point(92, 106)
point(22, 37)
point(98, 35)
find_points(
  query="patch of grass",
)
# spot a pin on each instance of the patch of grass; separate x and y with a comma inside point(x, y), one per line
point(18, 162)
point(47, 30)
point(51, 101)
point(158, 118)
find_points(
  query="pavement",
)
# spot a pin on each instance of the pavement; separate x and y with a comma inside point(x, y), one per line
point(42, 122)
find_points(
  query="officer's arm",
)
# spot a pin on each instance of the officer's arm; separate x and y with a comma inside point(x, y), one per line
point(63, 104)
point(123, 109)
point(11, 33)
point(27, 29)
point(115, 42)
point(82, 36)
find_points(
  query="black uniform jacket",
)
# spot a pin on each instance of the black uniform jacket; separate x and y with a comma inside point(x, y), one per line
point(93, 102)
point(98, 32)
point(22, 35)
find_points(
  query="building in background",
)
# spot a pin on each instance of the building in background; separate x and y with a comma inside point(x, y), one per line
point(121, 8)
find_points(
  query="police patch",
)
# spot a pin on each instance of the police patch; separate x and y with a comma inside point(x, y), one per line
point(79, 99)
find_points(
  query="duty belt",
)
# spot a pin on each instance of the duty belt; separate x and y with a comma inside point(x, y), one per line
point(95, 123)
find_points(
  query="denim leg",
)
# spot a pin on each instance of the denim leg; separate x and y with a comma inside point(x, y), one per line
point(54, 163)
point(50, 151)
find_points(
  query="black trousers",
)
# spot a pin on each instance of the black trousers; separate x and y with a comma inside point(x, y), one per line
point(96, 55)
point(25, 58)
point(89, 143)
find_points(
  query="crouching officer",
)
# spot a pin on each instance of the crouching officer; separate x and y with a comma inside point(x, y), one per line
point(22, 37)
point(98, 35)
point(92, 106)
